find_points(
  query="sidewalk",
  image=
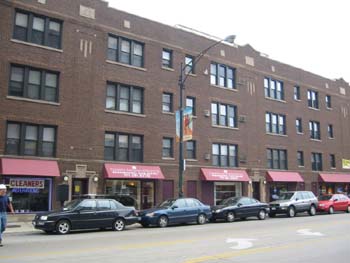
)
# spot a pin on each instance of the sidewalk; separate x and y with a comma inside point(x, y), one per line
point(19, 227)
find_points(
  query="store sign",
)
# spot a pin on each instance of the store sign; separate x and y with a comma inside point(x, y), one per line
point(227, 176)
point(27, 183)
point(135, 173)
point(345, 164)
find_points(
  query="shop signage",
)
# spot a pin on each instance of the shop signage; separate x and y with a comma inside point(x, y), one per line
point(134, 172)
point(346, 164)
point(27, 183)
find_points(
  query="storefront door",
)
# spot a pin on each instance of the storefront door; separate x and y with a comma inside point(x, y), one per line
point(256, 190)
point(80, 187)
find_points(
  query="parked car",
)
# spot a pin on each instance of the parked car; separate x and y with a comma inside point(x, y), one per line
point(125, 200)
point(291, 203)
point(87, 214)
point(176, 211)
point(335, 202)
point(239, 207)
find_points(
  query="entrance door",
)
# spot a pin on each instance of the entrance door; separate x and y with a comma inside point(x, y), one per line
point(79, 187)
point(168, 189)
point(256, 190)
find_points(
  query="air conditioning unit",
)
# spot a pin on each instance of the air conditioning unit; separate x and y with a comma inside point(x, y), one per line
point(206, 113)
point(243, 159)
point(242, 118)
point(207, 156)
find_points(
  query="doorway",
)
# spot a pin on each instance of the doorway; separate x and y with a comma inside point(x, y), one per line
point(256, 190)
point(79, 187)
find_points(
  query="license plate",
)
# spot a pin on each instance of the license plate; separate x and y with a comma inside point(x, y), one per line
point(273, 208)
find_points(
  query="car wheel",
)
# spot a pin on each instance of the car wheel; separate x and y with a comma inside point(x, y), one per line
point(201, 219)
point(272, 214)
point(119, 224)
point(291, 211)
point(230, 217)
point(312, 210)
point(331, 210)
point(63, 227)
point(348, 209)
point(262, 215)
point(162, 221)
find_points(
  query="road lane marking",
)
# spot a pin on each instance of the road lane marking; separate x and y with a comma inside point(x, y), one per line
point(242, 243)
point(307, 232)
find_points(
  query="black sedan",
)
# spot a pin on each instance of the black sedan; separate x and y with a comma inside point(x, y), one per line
point(239, 207)
point(176, 211)
point(87, 214)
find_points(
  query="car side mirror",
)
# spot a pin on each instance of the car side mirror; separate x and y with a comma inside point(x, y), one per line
point(335, 200)
point(174, 206)
point(239, 205)
point(296, 199)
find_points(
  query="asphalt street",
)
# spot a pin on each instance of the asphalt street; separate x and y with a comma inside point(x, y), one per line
point(321, 238)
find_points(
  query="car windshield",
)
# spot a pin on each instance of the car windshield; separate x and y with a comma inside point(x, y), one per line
point(285, 196)
point(229, 201)
point(167, 203)
point(324, 197)
point(71, 205)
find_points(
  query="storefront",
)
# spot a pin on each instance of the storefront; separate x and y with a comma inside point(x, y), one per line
point(279, 182)
point(334, 183)
point(133, 185)
point(219, 184)
point(30, 183)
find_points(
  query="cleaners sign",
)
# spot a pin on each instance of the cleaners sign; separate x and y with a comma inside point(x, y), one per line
point(27, 183)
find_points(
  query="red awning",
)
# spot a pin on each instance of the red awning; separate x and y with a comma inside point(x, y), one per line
point(334, 178)
point(124, 171)
point(224, 175)
point(25, 167)
point(284, 177)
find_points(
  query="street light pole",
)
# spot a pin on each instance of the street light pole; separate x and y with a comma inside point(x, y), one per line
point(182, 79)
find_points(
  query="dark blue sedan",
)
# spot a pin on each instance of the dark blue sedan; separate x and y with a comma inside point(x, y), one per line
point(176, 211)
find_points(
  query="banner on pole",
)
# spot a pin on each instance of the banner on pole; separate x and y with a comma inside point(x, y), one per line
point(187, 124)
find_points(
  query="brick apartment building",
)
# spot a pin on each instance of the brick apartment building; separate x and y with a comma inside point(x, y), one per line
point(88, 96)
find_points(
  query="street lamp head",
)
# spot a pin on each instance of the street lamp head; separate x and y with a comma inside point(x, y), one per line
point(230, 39)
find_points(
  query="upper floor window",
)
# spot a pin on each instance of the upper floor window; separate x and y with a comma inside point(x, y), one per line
point(224, 115)
point(191, 149)
point(300, 158)
point(274, 89)
point(332, 161)
point(328, 101)
point(277, 159)
point(330, 131)
point(296, 93)
point(30, 139)
point(222, 75)
point(38, 29)
point(314, 127)
point(123, 147)
point(316, 161)
point(168, 148)
point(33, 83)
point(189, 66)
point(299, 125)
point(167, 102)
point(125, 51)
point(225, 155)
point(312, 99)
point(275, 123)
point(167, 58)
point(121, 97)
point(191, 102)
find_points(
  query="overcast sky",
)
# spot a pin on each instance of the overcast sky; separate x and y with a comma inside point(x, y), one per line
point(310, 34)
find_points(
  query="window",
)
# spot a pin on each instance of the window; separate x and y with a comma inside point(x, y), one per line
point(189, 66)
point(37, 29)
point(191, 149)
point(330, 131)
point(328, 101)
point(332, 160)
point(225, 155)
point(275, 123)
point(167, 58)
point(312, 99)
point(168, 148)
point(277, 159)
point(296, 93)
point(273, 89)
point(125, 51)
point(222, 75)
point(167, 102)
point(30, 139)
point(316, 161)
point(125, 98)
point(224, 115)
point(314, 127)
point(123, 147)
point(299, 125)
point(191, 102)
point(33, 83)
point(300, 158)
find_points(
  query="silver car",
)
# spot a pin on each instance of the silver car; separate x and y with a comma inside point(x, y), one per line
point(291, 203)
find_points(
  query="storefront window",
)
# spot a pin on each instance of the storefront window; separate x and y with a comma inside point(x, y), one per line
point(132, 192)
point(276, 190)
point(30, 194)
point(226, 190)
